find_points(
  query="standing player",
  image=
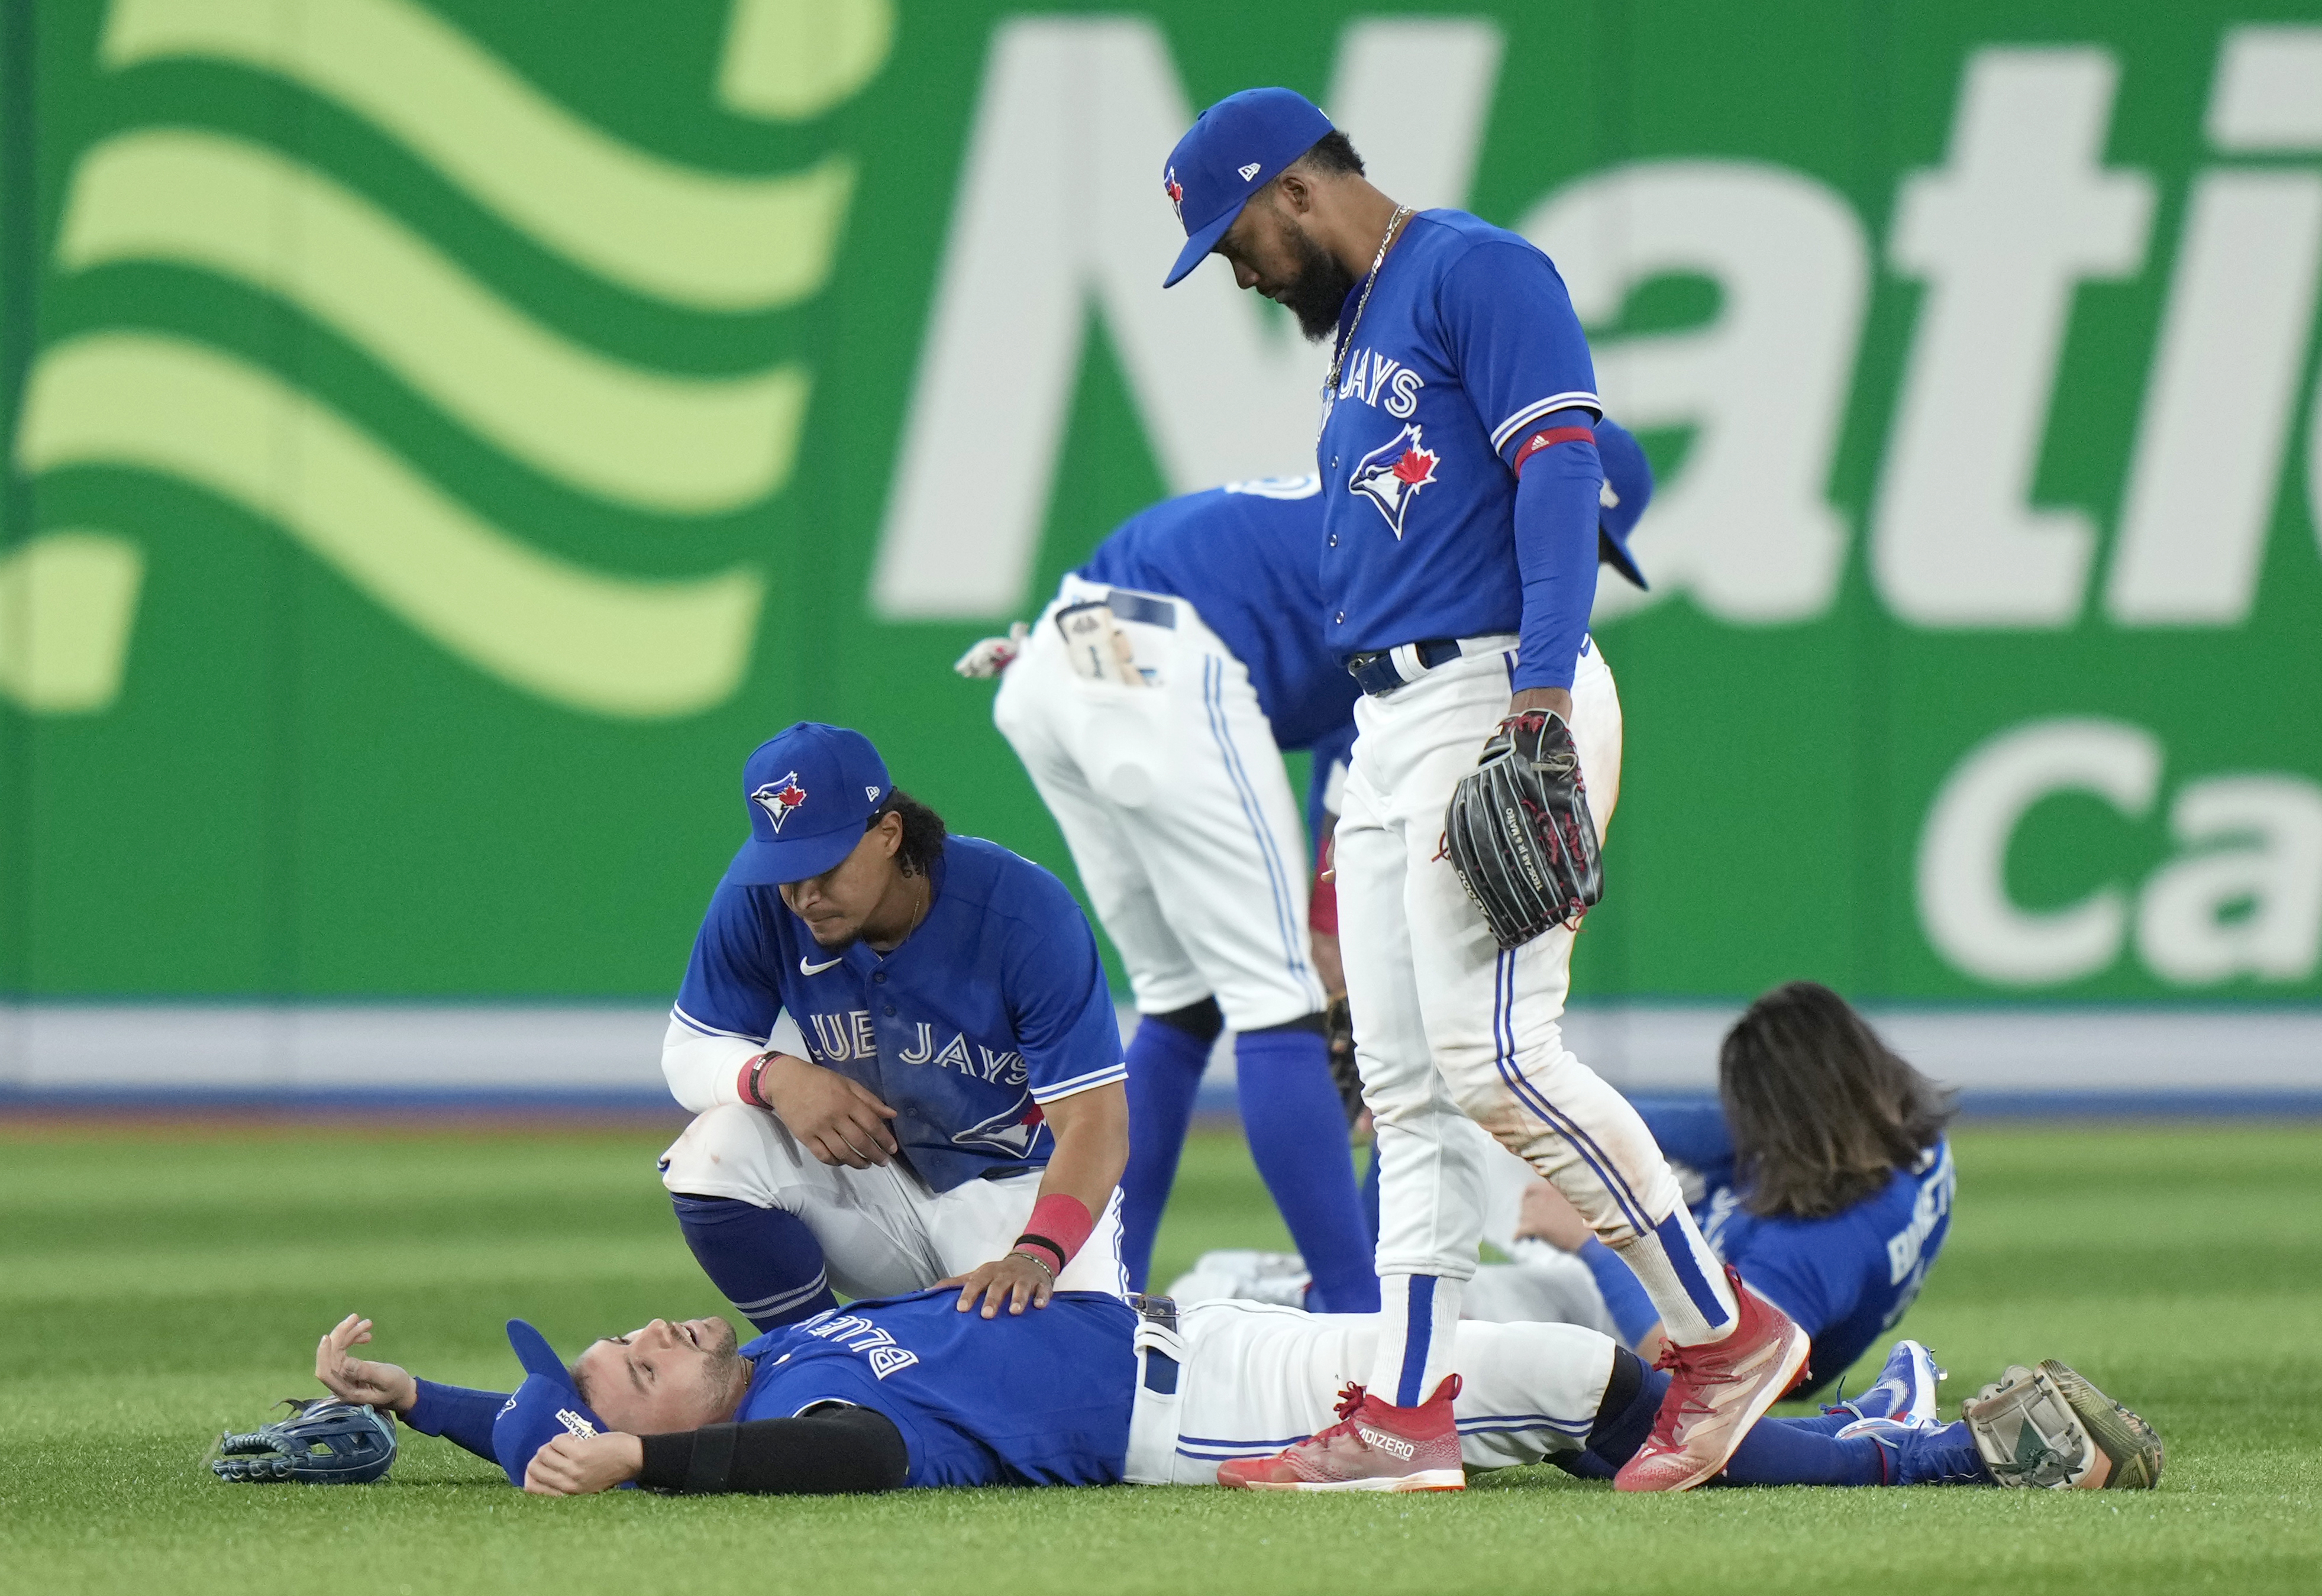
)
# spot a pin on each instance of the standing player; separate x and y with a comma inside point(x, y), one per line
point(1460, 481)
point(960, 1117)
point(1160, 757)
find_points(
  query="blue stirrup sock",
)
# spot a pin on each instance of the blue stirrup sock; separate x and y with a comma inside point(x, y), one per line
point(1297, 1131)
point(766, 1260)
point(1167, 1057)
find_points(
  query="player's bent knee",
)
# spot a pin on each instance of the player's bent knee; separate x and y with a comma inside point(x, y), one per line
point(725, 1150)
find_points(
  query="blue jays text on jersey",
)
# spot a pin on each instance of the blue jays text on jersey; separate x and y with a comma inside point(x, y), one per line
point(1040, 1399)
point(995, 1005)
point(1844, 1279)
point(1467, 346)
point(1244, 557)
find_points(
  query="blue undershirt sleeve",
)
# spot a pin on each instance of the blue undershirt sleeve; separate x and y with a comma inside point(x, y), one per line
point(458, 1414)
point(1558, 489)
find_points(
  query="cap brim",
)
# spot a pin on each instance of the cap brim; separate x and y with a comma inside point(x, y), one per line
point(1198, 247)
point(533, 1351)
point(789, 858)
point(1615, 553)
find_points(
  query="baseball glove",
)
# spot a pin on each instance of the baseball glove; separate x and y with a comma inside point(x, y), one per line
point(1338, 1032)
point(1520, 833)
point(324, 1442)
point(2050, 1427)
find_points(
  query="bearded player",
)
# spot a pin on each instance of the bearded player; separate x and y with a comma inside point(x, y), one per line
point(1461, 482)
point(960, 1115)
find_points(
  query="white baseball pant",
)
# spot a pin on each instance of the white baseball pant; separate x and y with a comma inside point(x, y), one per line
point(1447, 1023)
point(883, 1230)
point(1180, 818)
point(1254, 1379)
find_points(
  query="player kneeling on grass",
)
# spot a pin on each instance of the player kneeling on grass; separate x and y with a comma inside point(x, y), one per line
point(962, 1115)
point(1098, 1391)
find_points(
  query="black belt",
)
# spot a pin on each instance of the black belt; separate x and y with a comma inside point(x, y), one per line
point(1160, 1368)
point(1126, 605)
point(1376, 673)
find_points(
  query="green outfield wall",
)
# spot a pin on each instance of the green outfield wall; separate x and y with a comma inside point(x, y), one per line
point(445, 436)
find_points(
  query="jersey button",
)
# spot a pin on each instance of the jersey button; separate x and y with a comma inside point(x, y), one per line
point(1334, 540)
point(1343, 617)
point(880, 976)
point(891, 1011)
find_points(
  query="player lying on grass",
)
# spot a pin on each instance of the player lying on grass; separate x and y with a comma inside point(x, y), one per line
point(1824, 1178)
point(961, 1113)
point(1094, 1392)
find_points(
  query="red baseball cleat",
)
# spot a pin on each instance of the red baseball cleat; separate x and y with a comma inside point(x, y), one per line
point(1718, 1392)
point(1374, 1446)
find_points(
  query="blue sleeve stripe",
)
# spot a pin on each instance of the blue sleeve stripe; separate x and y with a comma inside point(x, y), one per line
point(690, 1023)
point(1080, 1083)
point(1578, 399)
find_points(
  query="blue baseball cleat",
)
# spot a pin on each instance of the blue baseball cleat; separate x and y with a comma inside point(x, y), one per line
point(1902, 1399)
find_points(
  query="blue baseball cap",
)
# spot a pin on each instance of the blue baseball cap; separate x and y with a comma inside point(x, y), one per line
point(1234, 149)
point(811, 790)
point(1628, 489)
point(545, 1406)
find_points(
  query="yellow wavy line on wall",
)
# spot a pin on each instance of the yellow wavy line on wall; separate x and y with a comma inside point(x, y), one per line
point(660, 443)
point(706, 240)
point(611, 645)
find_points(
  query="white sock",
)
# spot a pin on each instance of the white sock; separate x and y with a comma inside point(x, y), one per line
point(1684, 1279)
point(1418, 1322)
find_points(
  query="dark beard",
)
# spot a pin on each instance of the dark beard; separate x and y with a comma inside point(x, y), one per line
point(1319, 292)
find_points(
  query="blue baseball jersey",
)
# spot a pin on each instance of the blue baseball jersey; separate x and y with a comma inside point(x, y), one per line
point(995, 1005)
point(1468, 343)
point(1246, 557)
point(1039, 1398)
point(1845, 1279)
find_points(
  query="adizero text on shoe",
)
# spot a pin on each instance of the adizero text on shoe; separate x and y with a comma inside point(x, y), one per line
point(1717, 1392)
point(2128, 1447)
point(1904, 1395)
point(2048, 1427)
point(1374, 1446)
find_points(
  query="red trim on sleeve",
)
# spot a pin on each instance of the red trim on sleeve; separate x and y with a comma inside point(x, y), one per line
point(1548, 438)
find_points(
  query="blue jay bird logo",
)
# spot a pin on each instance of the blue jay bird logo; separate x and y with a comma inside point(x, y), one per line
point(1391, 474)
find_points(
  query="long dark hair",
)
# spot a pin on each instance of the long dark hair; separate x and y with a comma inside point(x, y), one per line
point(1823, 1112)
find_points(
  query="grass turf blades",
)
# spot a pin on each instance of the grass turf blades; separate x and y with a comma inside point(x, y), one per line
point(155, 1288)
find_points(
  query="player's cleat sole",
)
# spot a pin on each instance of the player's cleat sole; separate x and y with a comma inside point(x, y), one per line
point(1718, 1392)
point(2130, 1448)
point(1425, 1479)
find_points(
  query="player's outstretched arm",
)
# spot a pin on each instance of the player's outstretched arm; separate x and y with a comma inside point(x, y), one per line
point(832, 1451)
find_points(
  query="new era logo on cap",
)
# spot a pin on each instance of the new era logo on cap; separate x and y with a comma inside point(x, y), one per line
point(1248, 171)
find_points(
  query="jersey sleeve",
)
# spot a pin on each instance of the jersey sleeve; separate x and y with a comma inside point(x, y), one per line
point(1058, 1001)
point(732, 983)
point(1515, 340)
point(1692, 1133)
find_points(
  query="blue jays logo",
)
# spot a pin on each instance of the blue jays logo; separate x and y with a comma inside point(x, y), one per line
point(1012, 1131)
point(1177, 193)
point(1391, 474)
point(779, 798)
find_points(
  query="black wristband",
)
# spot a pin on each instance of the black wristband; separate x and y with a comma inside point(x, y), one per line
point(1030, 1240)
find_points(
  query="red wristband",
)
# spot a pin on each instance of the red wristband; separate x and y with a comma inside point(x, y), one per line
point(1060, 1222)
point(745, 1084)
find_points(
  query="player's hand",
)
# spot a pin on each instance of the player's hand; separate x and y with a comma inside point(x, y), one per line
point(1013, 1279)
point(1547, 1213)
point(577, 1465)
point(840, 1121)
point(992, 655)
point(357, 1380)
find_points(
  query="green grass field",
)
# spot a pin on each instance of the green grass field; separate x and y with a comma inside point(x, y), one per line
point(156, 1287)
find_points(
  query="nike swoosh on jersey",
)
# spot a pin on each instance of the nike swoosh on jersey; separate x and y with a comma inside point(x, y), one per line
point(806, 969)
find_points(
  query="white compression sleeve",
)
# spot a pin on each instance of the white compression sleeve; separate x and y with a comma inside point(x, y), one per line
point(701, 1070)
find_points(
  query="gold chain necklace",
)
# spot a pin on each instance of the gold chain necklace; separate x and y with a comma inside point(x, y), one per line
point(1345, 345)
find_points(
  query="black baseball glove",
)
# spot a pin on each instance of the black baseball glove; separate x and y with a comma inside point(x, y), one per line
point(324, 1442)
point(1520, 833)
point(1338, 1032)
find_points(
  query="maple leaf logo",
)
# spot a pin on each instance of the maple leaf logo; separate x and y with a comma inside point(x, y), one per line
point(1177, 193)
point(1416, 466)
